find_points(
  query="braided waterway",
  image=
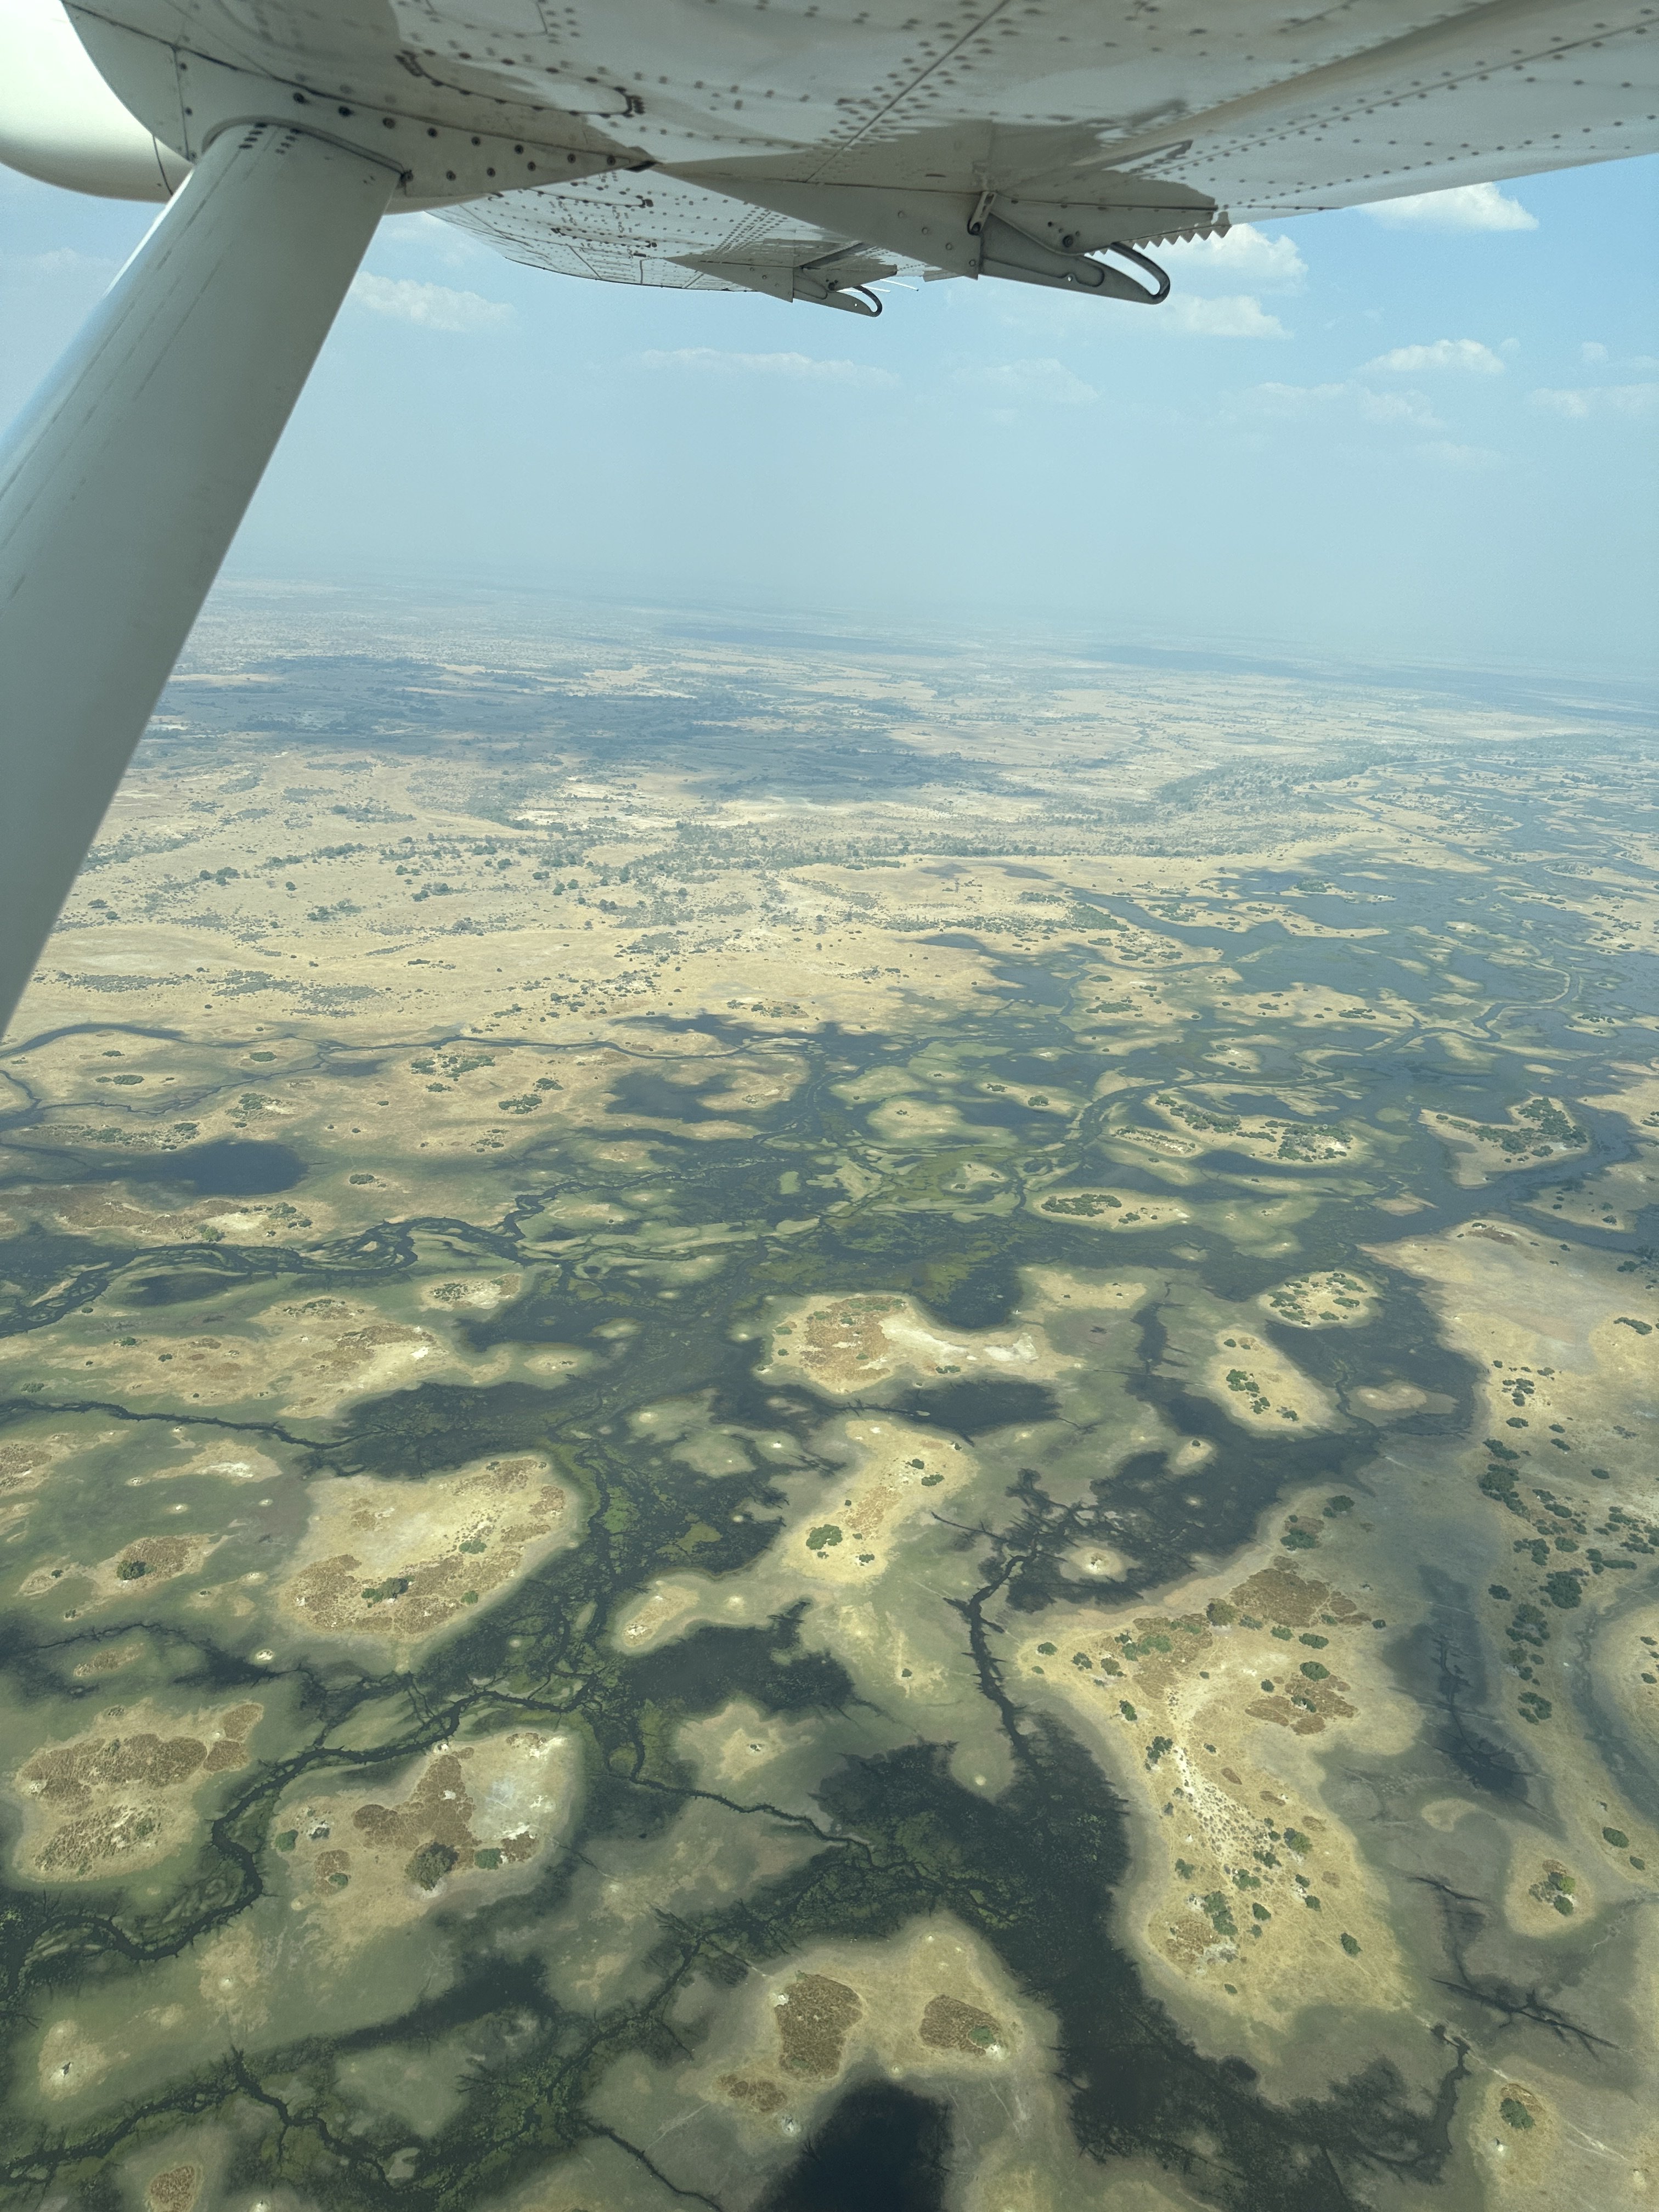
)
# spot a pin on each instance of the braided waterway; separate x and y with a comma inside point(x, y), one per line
point(1047, 1578)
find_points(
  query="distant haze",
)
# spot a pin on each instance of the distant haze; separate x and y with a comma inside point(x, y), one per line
point(1427, 432)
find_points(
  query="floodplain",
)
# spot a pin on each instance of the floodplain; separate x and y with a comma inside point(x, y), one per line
point(778, 1406)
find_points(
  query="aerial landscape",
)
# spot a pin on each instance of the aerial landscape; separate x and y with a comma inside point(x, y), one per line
point(887, 1512)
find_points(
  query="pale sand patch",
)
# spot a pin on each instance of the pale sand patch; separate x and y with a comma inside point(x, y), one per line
point(472, 1293)
point(1628, 1667)
point(659, 1616)
point(1546, 2142)
point(1538, 1129)
point(555, 1363)
point(25, 1466)
point(234, 1966)
point(109, 1659)
point(1178, 1703)
point(1570, 1382)
point(460, 1820)
point(757, 1086)
point(839, 1554)
point(573, 1215)
point(175, 2188)
point(842, 1346)
point(1109, 1209)
point(1517, 2137)
point(1164, 1144)
point(729, 1748)
point(1614, 1199)
point(103, 1210)
point(1486, 1277)
point(1390, 1397)
point(1098, 1562)
point(1545, 1894)
point(242, 1465)
point(1259, 1387)
point(1638, 1098)
point(313, 1357)
point(932, 2006)
point(404, 1559)
point(877, 1085)
point(132, 1572)
point(1056, 1288)
point(328, 1365)
point(1256, 1223)
point(911, 1121)
point(901, 1472)
point(69, 2060)
point(1331, 1298)
point(1259, 1136)
point(976, 1175)
point(124, 1793)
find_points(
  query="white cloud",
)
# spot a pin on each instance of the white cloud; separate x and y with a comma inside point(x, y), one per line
point(1408, 410)
point(1244, 255)
point(1631, 400)
point(446, 243)
point(1467, 354)
point(1471, 459)
point(429, 306)
point(798, 366)
point(1045, 383)
point(1042, 315)
point(63, 261)
point(1591, 352)
point(1461, 207)
point(1296, 398)
point(1231, 315)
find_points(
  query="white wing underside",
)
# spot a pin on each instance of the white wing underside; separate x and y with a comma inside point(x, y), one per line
point(752, 137)
point(652, 228)
point(1142, 116)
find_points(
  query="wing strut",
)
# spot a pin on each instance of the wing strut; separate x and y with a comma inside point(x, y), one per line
point(124, 481)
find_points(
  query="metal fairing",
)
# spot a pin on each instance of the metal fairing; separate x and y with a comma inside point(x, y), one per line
point(760, 134)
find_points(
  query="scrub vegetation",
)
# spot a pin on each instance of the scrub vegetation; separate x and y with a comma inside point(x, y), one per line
point(749, 1391)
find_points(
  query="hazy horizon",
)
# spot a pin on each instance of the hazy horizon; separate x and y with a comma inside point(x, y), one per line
point(1418, 433)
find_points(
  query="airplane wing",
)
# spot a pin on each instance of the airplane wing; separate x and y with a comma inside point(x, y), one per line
point(804, 150)
point(962, 138)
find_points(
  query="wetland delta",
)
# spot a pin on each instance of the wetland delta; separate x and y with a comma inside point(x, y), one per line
point(789, 1428)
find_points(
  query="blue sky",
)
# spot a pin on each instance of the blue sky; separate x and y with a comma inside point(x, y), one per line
point(1431, 435)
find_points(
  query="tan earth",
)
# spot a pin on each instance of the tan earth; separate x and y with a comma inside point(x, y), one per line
point(464, 1818)
point(125, 1794)
point(420, 1555)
